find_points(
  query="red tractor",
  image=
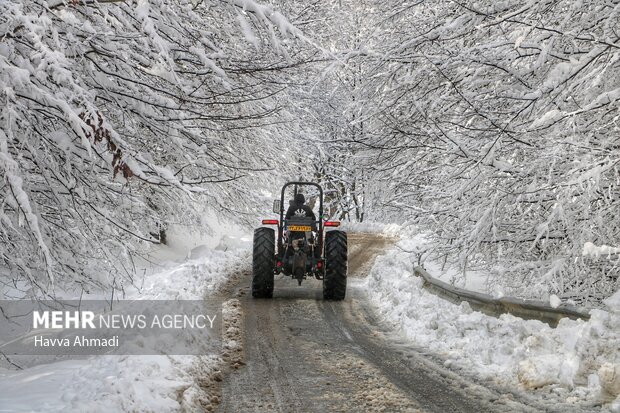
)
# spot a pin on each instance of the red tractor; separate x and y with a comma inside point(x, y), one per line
point(302, 248)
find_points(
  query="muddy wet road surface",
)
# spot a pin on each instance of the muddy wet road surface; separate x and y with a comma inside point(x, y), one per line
point(303, 354)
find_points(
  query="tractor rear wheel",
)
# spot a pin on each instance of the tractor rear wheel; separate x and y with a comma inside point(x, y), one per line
point(263, 262)
point(335, 279)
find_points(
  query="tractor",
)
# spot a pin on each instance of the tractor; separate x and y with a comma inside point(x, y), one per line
point(301, 248)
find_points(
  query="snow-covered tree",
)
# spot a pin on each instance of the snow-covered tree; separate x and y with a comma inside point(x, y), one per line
point(498, 132)
point(494, 126)
point(118, 118)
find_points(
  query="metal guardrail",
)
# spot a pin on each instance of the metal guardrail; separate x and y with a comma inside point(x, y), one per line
point(527, 309)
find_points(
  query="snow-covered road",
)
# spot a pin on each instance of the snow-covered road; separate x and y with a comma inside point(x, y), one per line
point(304, 354)
point(389, 346)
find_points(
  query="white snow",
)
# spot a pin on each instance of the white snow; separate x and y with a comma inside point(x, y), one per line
point(562, 361)
point(472, 280)
point(613, 302)
point(191, 268)
point(247, 30)
point(100, 384)
point(549, 117)
point(554, 301)
point(591, 250)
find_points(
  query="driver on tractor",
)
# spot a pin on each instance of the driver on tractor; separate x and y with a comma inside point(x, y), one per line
point(299, 209)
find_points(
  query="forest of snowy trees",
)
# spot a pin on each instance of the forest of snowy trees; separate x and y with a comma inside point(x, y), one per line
point(494, 127)
point(498, 130)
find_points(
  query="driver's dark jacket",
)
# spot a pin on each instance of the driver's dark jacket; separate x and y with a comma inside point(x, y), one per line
point(290, 213)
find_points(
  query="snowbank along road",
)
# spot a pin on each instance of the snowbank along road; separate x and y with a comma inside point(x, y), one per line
point(303, 354)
